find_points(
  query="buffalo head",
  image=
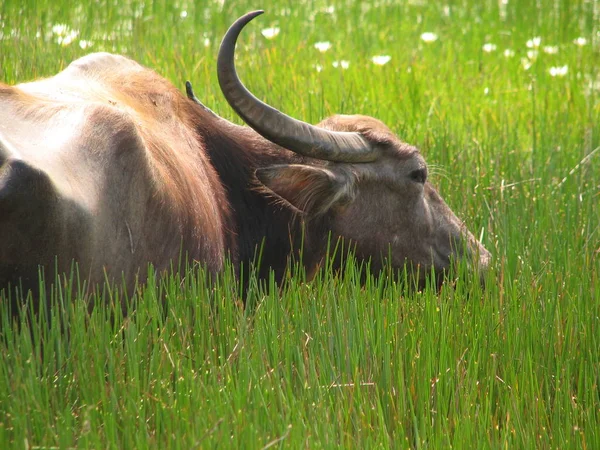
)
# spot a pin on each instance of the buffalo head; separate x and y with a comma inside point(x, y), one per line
point(372, 187)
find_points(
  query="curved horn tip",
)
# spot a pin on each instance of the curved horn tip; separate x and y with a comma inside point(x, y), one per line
point(252, 14)
point(227, 47)
point(243, 20)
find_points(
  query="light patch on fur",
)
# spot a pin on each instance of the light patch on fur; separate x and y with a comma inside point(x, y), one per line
point(7, 151)
point(131, 243)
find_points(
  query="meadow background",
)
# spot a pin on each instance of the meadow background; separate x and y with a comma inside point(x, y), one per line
point(502, 97)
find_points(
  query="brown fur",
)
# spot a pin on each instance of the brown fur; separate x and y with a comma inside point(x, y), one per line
point(129, 171)
point(156, 169)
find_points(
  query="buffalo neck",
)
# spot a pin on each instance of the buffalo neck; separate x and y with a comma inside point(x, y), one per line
point(261, 228)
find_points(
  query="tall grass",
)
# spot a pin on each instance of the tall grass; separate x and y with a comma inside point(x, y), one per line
point(330, 362)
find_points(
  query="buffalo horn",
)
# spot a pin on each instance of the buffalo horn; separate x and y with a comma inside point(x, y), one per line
point(300, 137)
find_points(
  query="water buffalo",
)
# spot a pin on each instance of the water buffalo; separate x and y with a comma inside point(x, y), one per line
point(108, 165)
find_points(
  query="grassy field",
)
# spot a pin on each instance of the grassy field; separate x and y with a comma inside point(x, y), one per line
point(503, 99)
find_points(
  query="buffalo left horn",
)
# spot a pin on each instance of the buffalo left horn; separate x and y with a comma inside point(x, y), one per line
point(300, 137)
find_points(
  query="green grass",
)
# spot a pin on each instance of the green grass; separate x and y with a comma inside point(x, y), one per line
point(329, 363)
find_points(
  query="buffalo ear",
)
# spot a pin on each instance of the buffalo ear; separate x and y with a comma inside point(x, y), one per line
point(311, 190)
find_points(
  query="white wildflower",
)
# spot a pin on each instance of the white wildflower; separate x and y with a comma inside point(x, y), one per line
point(64, 35)
point(550, 49)
point(318, 67)
point(428, 37)
point(60, 29)
point(270, 33)
point(380, 60)
point(486, 91)
point(323, 46)
point(580, 41)
point(526, 63)
point(343, 64)
point(534, 42)
point(183, 14)
point(85, 44)
point(559, 71)
point(509, 53)
point(489, 47)
point(68, 38)
point(532, 54)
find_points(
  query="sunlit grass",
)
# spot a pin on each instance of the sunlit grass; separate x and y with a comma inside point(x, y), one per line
point(503, 102)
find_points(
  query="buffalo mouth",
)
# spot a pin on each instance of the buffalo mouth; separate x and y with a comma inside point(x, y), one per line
point(420, 277)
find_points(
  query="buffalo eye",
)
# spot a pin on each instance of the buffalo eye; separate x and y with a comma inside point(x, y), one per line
point(419, 175)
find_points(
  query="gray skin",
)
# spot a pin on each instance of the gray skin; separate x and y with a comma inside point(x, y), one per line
point(108, 165)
